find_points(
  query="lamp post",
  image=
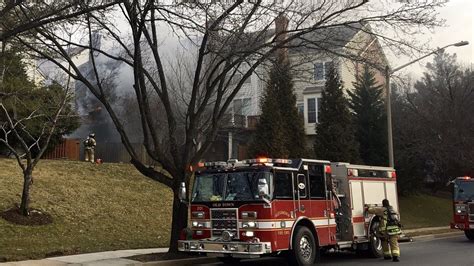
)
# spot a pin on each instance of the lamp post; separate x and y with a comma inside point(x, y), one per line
point(388, 73)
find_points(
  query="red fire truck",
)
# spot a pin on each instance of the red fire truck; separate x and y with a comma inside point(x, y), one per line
point(463, 205)
point(299, 207)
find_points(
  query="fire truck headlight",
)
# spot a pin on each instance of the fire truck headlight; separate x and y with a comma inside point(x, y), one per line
point(249, 224)
point(199, 215)
point(460, 208)
point(249, 215)
point(198, 224)
point(249, 234)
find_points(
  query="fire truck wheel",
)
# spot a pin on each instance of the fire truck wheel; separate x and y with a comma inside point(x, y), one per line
point(305, 249)
point(375, 243)
point(469, 234)
point(229, 260)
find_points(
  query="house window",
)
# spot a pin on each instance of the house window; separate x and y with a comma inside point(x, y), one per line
point(313, 109)
point(237, 77)
point(321, 70)
point(242, 106)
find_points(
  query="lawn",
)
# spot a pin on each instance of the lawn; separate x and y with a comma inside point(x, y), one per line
point(94, 208)
point(112, 206)
point(425, 211)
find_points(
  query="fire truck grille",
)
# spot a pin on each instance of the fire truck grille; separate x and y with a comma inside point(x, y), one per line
point(471, 212)
point(224, 220)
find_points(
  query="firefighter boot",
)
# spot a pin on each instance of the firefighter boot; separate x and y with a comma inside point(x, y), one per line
point(395, 259)
point(387, 258)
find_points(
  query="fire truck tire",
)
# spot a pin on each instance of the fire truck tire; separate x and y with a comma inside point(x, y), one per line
point(375, 243)
point(469, 234)
point(229, 260)
point(305, 248)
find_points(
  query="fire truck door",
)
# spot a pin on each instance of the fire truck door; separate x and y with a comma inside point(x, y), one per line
point(284, 193)
point(320, 207)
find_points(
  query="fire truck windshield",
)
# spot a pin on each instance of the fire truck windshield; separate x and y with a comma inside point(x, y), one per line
point(236, 186)
point(464, 190)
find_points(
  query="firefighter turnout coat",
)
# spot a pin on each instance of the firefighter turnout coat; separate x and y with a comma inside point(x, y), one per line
point(389, 233)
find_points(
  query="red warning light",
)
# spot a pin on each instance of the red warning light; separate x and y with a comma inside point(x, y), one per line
point(328, 169)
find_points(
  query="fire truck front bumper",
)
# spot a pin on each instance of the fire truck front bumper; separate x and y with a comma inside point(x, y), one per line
point(236, 249)
point(462, 226)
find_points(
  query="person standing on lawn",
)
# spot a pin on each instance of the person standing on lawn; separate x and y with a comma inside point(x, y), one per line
point(89, 148)
point(389, 229)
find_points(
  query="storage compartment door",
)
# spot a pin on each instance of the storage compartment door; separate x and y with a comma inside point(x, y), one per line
point(357, 202)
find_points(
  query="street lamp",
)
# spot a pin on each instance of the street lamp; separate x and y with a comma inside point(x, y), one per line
point(388, 73)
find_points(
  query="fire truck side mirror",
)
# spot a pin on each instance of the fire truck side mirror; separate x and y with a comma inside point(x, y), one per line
point(182, 192)
point(263, 189)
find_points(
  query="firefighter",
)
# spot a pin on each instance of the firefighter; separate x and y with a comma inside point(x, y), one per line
point(89, 148)
point(389, 229)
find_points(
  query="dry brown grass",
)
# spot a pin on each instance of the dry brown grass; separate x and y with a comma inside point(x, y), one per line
point(94, 208)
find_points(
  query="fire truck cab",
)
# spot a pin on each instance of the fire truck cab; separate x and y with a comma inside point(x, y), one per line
point(267, 206)
point(463, 205)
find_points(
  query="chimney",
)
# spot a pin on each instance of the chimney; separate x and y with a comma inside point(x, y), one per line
point(281, 26)
point(95, 43)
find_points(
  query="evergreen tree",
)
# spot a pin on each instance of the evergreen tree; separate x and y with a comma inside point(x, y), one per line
point(280, 132)
point(21, 97)
point(370, 120)
point(334, 132)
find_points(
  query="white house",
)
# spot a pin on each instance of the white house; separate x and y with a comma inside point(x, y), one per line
point(310, 63)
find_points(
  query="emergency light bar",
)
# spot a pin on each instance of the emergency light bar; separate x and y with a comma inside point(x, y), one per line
point(355, 173)
point(267, 160)
point(215, 164)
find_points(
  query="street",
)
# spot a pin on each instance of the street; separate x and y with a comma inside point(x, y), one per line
point(453, 250)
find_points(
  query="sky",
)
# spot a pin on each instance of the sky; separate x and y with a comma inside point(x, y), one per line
point(459, 16)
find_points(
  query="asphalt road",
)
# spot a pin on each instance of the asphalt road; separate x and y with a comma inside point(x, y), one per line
point(452, 250)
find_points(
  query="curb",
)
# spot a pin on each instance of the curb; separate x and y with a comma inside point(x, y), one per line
point(189, 261)
point(440, 235)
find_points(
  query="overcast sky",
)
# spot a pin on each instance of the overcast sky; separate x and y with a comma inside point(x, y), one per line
point(459, 27)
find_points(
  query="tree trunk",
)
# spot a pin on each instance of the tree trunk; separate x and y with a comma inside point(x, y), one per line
point(179, 222)
point(25, 197)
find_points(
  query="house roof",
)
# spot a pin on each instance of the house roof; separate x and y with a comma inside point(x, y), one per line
point(330, 38)
point(324, 38)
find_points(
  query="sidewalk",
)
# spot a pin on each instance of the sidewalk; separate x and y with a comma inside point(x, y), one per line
point(118, 257)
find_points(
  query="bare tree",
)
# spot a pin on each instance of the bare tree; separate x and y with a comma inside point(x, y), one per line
point(27, 134)
point(440, 109)
point(231, 41)
point(19, 16)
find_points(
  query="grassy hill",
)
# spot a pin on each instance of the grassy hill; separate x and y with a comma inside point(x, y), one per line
point(425, 211)
point(94, 208)
point(112, 206)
